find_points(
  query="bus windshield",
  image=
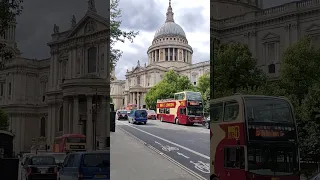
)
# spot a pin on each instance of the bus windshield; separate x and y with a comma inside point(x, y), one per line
point(194, 96)
point(76, 140)
point(271, 160)
point(266, 109)
point(195, 111)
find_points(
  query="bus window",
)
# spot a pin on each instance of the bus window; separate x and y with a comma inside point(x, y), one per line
point(231, 110)
point(183, 111)
point(167, 111)
point(217, 112)
point(234, 157)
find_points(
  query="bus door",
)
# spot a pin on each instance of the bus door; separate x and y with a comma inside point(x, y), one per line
point(234, 163)
point(182, 112)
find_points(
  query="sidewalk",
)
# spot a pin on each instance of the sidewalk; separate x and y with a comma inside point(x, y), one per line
point(132, 160)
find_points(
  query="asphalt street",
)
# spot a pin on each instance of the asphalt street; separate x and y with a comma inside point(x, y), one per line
point(187, 145)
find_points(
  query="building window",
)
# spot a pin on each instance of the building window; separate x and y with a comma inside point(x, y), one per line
point(102, 62)
point(272, 68)
point(271, 52)
point(43, 127)
point(138, 80)
point(175, 54)
point(9, 89)
point(61, 118)
point(92, 59)
point(166, 52)
point(2, 89)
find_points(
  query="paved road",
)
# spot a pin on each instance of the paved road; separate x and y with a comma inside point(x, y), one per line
point(187, 146)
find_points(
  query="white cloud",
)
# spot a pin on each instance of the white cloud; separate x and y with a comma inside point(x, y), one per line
point(198, 38)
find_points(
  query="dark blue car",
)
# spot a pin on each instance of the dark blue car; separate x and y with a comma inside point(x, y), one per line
point(138, 116)
point(85, 166)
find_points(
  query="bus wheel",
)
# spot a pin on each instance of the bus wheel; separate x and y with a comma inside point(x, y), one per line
point(176, 120)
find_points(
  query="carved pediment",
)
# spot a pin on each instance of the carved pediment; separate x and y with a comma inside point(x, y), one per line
point(313, 27)
point(90, 23)
point(271, 37)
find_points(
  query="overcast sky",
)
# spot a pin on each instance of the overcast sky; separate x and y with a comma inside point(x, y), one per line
point(35, 25)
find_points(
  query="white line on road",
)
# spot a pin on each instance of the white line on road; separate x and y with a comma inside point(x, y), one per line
point(180, 154)
point(180, 146)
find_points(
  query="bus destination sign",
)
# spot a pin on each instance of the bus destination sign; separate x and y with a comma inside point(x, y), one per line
point(258, 132)
point(233, 132)
point(77, 146)
point(166, 105)
point(194, 103)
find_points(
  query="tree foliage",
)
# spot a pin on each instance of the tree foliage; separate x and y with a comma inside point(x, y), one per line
point(8, 12)
point(170, 84)
point(4, 120)
point(116, 34)
point(235, 69)
point(204, 88)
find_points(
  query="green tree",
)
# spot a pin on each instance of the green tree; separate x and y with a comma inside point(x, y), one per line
point(170, 84)
point(8, 12)
point(235, 69)
point(4, 120)
point(204, 88)
point(116, 34)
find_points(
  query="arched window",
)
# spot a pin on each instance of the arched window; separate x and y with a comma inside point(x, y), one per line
point(42, 127)
point(138, 80)
point(61, 119)
point(92, 59)
point(272, 68)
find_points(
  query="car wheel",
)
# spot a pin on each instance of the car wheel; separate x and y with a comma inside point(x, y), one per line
point(176, 120)
point(207, 125)
point(145, 123)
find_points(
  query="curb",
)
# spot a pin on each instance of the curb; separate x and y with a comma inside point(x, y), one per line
point(189, 171)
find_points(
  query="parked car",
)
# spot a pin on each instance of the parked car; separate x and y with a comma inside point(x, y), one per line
point(206, 122)
point(40, 167)
point(138, 116)
point(86, 165)
point(122, 114)
point(59, 157)
point(152, 114)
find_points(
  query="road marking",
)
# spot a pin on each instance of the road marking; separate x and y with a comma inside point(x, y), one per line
point(201, 166)
point(158, 143)
point(180, 154)
point(178, 145)
point(193, 173)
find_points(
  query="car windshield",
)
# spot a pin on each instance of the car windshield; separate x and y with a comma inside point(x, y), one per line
point(272, 160)
point(194, 96)
point(76, 140)
point(151, 112)
point(195, 111)
point(141, 113)
point(123, 112)
point(59, 157)
point(96, 160)
point(268, 110)
point(43, 160)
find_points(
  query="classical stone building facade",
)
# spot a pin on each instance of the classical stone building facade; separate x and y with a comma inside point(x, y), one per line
point(55, 96)
point(267, 32)
point(169, 50)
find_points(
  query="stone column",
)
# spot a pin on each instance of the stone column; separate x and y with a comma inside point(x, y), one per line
point(70, 109)
point(159, 55)
point(89, 130)
point(49, 124)
point(134, 97)
point(138, 100)
point(54, 121)
point(65, 115)
point(76, 114)
point(103, 123)
point(23, 130)
point(173, 53)
point(126, 99)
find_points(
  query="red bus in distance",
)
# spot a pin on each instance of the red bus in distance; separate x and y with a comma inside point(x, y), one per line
point(69, 143)
point(253, 138)
point(186, 108)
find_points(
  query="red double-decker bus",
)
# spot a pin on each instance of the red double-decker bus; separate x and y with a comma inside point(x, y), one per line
point(186, 108)
point(69, 143)
point(253, 138)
